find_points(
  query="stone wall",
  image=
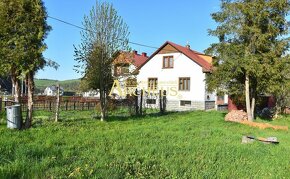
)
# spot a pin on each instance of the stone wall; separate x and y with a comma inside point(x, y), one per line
point(209, 105)
point(174, 105)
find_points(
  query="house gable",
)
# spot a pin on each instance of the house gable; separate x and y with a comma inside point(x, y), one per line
point(169, 47)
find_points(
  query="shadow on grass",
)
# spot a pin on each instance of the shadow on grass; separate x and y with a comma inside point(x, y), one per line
point(223, 113)
point(263, 118)
point(116, 117)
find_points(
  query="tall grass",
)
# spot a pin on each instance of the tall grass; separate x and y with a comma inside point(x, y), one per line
point(177, 145)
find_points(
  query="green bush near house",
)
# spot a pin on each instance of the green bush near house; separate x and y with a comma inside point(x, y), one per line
point(177, 145)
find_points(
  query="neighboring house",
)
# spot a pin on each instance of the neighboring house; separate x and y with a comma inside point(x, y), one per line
point(124, 67)
point(52, 91)
point(181, 72)
point(5, 84)
point(91, 93)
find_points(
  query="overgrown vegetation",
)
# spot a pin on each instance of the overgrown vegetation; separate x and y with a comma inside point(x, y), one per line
point(177, 145)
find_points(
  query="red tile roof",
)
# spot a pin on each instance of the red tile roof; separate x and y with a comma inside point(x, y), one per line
point(131, 57)
point(139, 59)
point(191, 54)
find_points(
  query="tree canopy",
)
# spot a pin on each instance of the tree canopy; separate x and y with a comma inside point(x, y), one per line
point(23, 28)
point(104, 35)
point(251, 54)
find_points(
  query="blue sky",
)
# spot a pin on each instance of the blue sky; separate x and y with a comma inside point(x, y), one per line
point(151, 22)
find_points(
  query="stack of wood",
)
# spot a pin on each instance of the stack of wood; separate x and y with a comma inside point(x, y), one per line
point(236, 116)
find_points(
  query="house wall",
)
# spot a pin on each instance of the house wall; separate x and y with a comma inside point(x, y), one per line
point(168, 80)
point(122, 83)
point(49, 92)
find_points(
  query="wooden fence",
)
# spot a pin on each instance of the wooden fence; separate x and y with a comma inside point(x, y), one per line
point(48, 103)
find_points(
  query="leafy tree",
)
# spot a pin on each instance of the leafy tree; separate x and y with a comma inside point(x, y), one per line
point(11, 53)
point(251, 51)
point(22, 32)
point(105, 33)
point(281, 92)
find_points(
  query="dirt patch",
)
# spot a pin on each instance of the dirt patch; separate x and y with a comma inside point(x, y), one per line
point(264, 125)
point(241, 117)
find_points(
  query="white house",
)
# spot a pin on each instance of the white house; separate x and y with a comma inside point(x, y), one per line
point(91, 93)
point(52, 91)
point(181, 72)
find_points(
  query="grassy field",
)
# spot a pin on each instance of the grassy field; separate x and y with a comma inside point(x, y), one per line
point(177, 145)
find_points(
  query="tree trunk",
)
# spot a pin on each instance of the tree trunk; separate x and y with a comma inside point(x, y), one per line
point(253, 100)
point(253, 107)
point(30, 83)
point(16, 91)
point(247, 94)
point(103, 104)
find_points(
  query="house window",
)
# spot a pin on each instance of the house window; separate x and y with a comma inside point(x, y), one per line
point(121, 69)
point(185, 103)
point(168, 62)
point(220, 98)
point(184, 84)
point(131, 82)
point(152, 83)
point(151, 101)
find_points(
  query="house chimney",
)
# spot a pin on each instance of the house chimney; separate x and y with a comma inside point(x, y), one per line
point(187, 45)
point(144, 54)
point(135, 52)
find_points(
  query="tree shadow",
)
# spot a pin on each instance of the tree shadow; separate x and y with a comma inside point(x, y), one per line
point(116, 117)
point(264, 118)
point(223, 113)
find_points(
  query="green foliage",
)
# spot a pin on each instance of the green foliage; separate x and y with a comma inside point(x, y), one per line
point(23, 29)
point(105, 34)
point(253, 42)
point(178, 145)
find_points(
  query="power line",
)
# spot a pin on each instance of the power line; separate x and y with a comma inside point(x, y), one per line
point(68, 23)
point(82, 28)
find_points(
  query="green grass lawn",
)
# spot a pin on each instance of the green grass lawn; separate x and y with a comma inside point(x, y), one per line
point(177, 145)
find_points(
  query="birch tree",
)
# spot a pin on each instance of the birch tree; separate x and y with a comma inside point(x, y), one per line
point(104, 35)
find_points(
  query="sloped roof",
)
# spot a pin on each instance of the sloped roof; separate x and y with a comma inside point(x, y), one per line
point(131, 57)
point(201, 59)
point(139, 60)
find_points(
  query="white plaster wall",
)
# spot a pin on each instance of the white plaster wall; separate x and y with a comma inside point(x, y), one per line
point(226, 99)
point(168, 78)
point(210, 96)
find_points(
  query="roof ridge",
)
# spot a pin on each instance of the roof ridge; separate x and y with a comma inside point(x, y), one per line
point(198, 59)
point(194, 51)
point(191, 54)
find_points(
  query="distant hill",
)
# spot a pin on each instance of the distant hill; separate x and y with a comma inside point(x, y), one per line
point(67, 85)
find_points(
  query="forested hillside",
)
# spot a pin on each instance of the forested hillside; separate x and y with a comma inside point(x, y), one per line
point(67, 85)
